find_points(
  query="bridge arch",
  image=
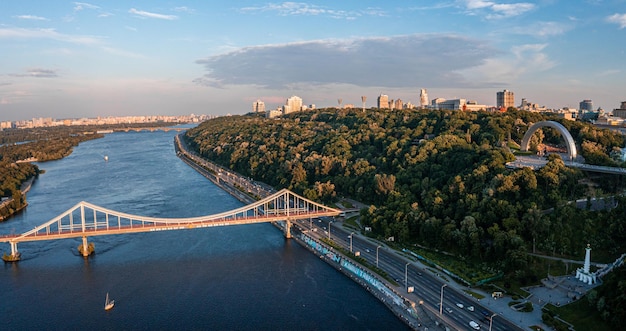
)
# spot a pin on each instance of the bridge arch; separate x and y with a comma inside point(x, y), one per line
point(569, 141)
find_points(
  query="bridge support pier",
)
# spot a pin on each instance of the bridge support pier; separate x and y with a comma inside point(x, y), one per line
point(86, 248)
point(15, 254)
point(288, 229)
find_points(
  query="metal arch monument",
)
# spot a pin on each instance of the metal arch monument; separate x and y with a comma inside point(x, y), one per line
point(571, 146)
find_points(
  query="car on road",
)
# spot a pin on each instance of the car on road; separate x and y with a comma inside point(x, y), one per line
point(474, 325)
point(460, 305)
point(470, 308)
point(449, 310)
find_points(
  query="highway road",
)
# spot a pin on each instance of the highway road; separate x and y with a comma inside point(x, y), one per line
point(428, 287)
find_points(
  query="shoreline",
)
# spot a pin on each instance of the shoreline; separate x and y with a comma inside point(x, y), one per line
point(402, 312)
point(24, 188)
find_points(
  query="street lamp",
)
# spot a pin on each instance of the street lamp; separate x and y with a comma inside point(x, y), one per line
point(406, 279)
point(329, 223)
point(379, 246)
point(491, 320)
point(351, 234)
point(441, 300)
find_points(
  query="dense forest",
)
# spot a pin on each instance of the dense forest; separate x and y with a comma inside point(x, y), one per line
point(436, 179)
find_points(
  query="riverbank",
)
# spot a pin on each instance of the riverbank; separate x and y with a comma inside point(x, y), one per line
point(243, 189)
point(23, 189)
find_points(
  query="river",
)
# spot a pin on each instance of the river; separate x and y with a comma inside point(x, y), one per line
point(224, 278)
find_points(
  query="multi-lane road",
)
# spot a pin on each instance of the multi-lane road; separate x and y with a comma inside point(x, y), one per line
point(458, 308)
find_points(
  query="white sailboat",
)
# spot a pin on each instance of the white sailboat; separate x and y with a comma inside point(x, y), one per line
point(108, 304)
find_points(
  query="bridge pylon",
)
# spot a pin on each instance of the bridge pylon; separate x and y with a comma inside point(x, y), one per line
point(15, 254)
point(86, 248)
point(288, 229)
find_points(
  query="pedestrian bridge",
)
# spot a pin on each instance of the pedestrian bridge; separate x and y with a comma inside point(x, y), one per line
point(86, 219)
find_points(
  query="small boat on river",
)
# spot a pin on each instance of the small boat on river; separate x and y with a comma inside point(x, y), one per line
point(108, 304)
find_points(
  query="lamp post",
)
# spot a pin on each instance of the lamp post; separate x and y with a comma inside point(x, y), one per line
point(351, 234)
point(406, 279)
point(441, 300)
point(379, 246)
point(491, 320)
point(329, 223)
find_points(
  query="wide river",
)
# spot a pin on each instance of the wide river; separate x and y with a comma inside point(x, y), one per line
point(246, 277)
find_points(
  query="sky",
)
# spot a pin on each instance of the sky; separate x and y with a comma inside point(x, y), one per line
point(65, 59)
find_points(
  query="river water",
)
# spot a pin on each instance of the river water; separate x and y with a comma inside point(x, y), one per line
point(244, 277)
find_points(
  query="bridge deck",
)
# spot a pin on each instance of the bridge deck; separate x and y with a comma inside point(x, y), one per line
point(92, 220)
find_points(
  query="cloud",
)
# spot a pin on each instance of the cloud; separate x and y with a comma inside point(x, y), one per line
point(122, 53)
point(532, 56)
point(478, 4)
point(527, 59)
point(544, 29)
point(368, 62)
point(441, 5)
point(496, 10)
point(19, 33)
point(305, 9)
point(619, 19)
point(31, 17)
point(184, 9)
point(509, 10)
point(37, 73)
point(609, 72)
point(152, 15)
point(13, 97)
point(78, 6)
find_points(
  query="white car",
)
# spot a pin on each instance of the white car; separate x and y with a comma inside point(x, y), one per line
point(470, 308)
point(474, 325)
point(449, 310)
point(460, 305)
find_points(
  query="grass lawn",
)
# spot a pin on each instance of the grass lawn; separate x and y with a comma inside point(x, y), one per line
point(581, 315)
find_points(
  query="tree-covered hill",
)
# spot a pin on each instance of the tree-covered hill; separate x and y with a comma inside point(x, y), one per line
point(434, 178)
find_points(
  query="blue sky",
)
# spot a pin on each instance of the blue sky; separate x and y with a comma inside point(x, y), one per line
point(115, 58)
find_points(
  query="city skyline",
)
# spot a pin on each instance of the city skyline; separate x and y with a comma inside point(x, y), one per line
point(113, 58)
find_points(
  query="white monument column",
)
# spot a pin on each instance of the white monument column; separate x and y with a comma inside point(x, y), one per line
point(587, 259)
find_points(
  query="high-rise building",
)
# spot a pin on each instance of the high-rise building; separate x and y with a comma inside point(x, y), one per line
point(423, 98)
point(258, 106)
point(586, 105)
point(398, 104)
point(383, 101)
point(294, 104)
point(621, 111)
point(505, 99)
